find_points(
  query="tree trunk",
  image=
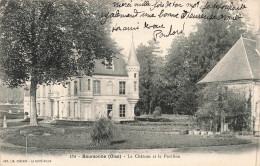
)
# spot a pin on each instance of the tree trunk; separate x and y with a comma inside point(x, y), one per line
point(210, 127)
point(33, 113)
point(223, 122)
point(150, 108)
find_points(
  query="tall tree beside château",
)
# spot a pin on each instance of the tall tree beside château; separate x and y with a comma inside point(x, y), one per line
point(149, 67)
point(50, 41)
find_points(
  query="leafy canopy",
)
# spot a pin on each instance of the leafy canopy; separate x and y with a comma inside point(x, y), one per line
point(191, 57)
point(50, 41)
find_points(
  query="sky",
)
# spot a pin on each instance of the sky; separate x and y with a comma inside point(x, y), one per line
point(143, 35)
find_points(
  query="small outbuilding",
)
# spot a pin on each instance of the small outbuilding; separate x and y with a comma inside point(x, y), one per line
point(239, 70)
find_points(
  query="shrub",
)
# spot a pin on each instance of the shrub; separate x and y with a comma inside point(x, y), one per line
point(102, 131)
point(157, 111)
point(183, 132)
point(137, 111)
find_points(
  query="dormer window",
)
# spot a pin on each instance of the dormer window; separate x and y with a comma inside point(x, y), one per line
point(109, 65)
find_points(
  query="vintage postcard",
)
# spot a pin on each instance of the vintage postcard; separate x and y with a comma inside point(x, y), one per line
point(129, 82)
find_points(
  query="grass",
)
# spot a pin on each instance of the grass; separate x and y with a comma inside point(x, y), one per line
point(127, 137)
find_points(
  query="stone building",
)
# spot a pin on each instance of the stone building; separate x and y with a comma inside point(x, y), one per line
point(239, 70)
point(112, 91)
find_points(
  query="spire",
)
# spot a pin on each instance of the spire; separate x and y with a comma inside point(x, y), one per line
point(132, 59)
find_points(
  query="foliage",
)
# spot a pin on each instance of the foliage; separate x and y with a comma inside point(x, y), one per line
point(191, 57)
point(102, 131)
point(183, 132)
point(181, 90)
point(221, 105)
point(157, 111)
point(150, 84)
point(11, 95)
point(49, 41)
point(35, 130)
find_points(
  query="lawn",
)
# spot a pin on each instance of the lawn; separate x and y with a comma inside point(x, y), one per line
point(127, 137)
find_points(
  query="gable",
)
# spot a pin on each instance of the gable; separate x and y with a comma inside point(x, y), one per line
point(253, 57)
point(118, 67)
point(241, 62)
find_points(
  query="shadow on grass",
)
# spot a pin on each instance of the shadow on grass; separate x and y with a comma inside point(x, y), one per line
point(118, 142)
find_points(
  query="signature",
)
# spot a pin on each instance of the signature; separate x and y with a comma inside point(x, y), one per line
point(159, 33)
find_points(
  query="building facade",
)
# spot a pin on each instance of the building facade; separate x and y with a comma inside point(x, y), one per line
point(239, 71)
point(112, 91)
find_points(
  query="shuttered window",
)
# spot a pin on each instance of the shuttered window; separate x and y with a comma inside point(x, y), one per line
point(96, 87)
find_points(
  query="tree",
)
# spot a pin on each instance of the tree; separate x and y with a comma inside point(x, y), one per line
point(190, 58)
point(9, 95)
point(220, 105)
point(181, 94)
point(149, 74)
point(50, 41)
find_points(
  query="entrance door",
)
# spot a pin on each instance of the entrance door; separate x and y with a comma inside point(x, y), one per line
point(109, 111)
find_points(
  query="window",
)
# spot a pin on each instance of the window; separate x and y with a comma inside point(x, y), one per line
point(80, 82)
point(43, 91)
point(96, 87)
point(49, 88)
point(122, 88)
point(75, 87)
point(69, 109)
point(109, 65)
point(109, 110)
point(135, 75)
point(39, 111)
point(62, 108)
point(109, 88)
point(68, 88)
point(135, 86)
point(75, 108)
point(121, 110)
point(38, 92)
point(88, 84)
point(43, 109)
point(58, 107)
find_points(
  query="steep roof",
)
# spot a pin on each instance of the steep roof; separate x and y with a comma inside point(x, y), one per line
point(132, 59)
point(118, 70)
point(241, 62)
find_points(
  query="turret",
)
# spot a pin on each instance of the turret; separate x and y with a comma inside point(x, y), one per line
point(133, 68)
point(132, 59)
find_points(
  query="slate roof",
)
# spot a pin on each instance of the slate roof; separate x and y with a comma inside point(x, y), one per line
point(132, 59)
point(241, 62)
point(119, 67)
